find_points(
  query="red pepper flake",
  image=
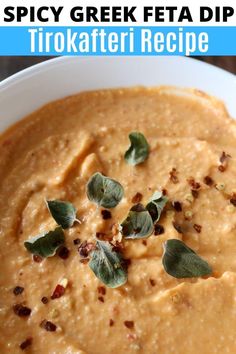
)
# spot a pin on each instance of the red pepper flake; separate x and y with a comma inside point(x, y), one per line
point(195, 193)
point(44, 300)
point(26, 343)
point(224, 161)
point(177, 206)
point(85, 248)
point(126, 262)
point(58, 292)
point(103, 236)
point(129, 324)
point(111, 323)
point(37, 259)
point(21, 311)
point(233, 200)
point(173, 176)
point(208, 181)
point(84, 260)
point(77, 241)
point(102, 290)
point(100, 235)
point(177, 227)
point(137, 198)
point(158, 229)
point(117, 247)
point(221, 168)
point(106, 214)
point(152, 282)
point(197, 227)
point(195, 185)
point(63, 252)
point(101, 298)
point(164, 191)
point(224, 157)
point(83, 251)
point(18, 290)
point(48, 326)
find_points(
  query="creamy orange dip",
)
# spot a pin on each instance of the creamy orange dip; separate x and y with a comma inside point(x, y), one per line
point(51, 155)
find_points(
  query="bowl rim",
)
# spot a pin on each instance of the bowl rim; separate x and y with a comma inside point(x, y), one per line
point(38, 68)
point(60, 77)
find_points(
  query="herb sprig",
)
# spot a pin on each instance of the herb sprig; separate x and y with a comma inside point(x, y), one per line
point(104, 191)
point(108, 265)
point(138, 223)
point(139, 149)
point(156, 205)
point(64, 213)
point(47, 244)
point(180, 261)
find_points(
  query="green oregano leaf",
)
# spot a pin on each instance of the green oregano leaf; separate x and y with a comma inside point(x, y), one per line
point(47, 244)
point(180, 261)
point(108, 265)
point(156, 204)
point(104, 191)
point(138, 223)
point(64, 213)
point(138, 150)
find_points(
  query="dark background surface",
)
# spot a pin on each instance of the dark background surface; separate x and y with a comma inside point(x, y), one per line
point(10, 65)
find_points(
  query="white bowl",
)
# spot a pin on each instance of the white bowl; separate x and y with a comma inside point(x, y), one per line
point(31, 88)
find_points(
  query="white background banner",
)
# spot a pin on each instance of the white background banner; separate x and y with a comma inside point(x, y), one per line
point(118, 13)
